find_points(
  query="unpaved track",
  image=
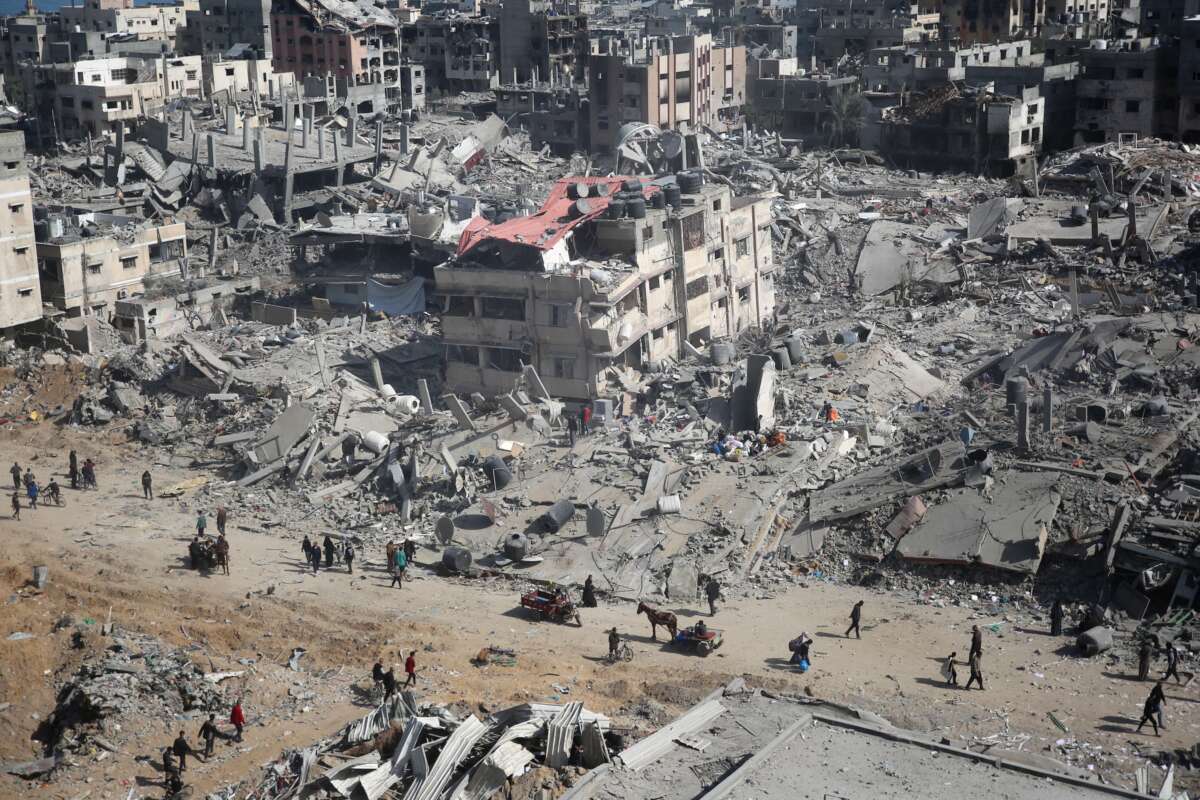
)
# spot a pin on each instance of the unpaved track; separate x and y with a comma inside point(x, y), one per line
point(110, 547)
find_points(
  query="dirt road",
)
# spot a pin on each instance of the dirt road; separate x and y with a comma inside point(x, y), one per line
point(112, 548)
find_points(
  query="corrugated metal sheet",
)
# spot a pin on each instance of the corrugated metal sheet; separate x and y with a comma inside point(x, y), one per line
point(659, 743)
point(493, 772)
point(454, 751)
point(595, 750)
point(366, 728)
point(375, 783)
point(546, 712)
point(346, 777)
point(560, 733)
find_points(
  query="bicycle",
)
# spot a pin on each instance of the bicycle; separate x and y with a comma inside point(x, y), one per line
point(622, 653)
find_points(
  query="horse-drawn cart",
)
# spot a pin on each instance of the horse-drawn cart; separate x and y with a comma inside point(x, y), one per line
point(555, 605)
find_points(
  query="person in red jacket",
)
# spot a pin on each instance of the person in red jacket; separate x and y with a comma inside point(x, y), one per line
point(410, 668)
point(238, 719)
point(585, 417)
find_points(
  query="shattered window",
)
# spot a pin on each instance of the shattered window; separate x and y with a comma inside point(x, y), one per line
point(460, 306)
point(697, 288)
point(462, 354)
point(564, 367)
point(693, 231)
point(503, 359)
point(742, 247)
point(504, 308)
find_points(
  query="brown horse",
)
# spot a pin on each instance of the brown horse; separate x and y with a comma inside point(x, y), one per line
point(656, 617)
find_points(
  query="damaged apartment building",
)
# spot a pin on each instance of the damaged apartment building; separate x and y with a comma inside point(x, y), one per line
point(610, 273)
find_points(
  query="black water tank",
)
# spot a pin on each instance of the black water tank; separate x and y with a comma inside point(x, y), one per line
point(580, 208)
point(658, 200)
point(673, 195)
point(599, 190)
point(632, 185)
point(616, 208)
point(577, 190)
point(690, 182)
point(636, 208)
point(497, 471)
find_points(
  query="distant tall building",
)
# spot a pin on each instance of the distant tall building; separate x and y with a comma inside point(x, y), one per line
point(217, 26)
point(546, 39)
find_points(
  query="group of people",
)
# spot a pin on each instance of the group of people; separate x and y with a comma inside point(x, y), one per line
point(974, 661)
point(385, 682)
point(729, 446)
point(175, 755)
point(27, 481)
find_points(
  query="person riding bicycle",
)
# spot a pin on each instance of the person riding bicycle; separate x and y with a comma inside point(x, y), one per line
point(53, 492)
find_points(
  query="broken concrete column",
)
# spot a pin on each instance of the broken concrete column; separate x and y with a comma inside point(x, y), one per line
point(459, 411)
point(305, 131)
point(377, 374)
point(320, 143)
point(212, 249)
point(246, 135)
point(403, 139)
point(350, 131)
point(423, 393)
point(378, 144)
point(1023, 424)
point(212, 150)
point(230, 119)
point(258, 155)
point(187, 126)
point(1047, 409)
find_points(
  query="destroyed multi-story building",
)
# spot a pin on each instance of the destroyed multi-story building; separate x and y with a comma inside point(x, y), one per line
point(682, 81)
point(88, 261)
point(543, 40)
point(609, 273)
point(555, 116)
point(20, 291)
point(159, 22)
point(971, 21)
point(245, 76)
point(353, 41)
point(218, 26)
point(458, 53)
point(139, 319)
point(1127, 88)
point(795, 103)
point(1188, 86)
point(831, 29)
point(95, 97)
point(962, 130)
point(920, 67)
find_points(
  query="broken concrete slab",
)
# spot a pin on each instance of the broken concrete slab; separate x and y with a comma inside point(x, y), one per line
point(1005, 528)
point(284, 433)
point(938, 466)
point(459, 411)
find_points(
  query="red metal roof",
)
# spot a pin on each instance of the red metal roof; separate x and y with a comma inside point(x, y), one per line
point(551, 223)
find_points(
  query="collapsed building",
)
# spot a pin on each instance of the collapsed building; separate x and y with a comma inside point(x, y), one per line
point(609, 273)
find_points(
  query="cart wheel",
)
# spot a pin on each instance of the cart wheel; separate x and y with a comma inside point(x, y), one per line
point(705, 648)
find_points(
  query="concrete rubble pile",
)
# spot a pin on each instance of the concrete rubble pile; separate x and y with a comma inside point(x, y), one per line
point(403, 749)
point(136, 677)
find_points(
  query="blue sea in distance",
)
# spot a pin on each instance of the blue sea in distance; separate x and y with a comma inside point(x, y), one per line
point(10, 7)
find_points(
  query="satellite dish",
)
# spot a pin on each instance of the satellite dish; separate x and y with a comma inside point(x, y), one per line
point(444, 530)
point(596, 521)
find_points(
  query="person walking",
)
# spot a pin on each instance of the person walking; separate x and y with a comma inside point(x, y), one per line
point(222, 549)
point(315, 554)
point(16, 506)
point(170, 768)
point(855, 620)
point(181, 748)
point(1144, 661)
point(589, 593)
point(32, 490)
point(399, 564)
point(1056, 617)
point(201, 522)
point(329, 548)
point(16, 473)
point(208, 734)
point(1172, 663)
point(976, 670)
point(222, 516)
point(948, 670)
point(572, 429)
point(89, 474)
point(976, 642)
point(389, 684)
point(614, 642)
point(410, 669)
point(147, 486)
point(377, 677)
point(1151, 709)
point(237, 718)
point(585, 419)
point(712, 591)
point(73, 470)
point(410, 551)
point(348, 555)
